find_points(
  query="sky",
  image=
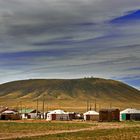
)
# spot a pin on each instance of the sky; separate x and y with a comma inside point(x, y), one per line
point(70, 39)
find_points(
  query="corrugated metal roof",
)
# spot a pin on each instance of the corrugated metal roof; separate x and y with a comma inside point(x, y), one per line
point(130, 111)
point(26, 110)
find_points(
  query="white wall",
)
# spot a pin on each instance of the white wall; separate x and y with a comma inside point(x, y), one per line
point(32, 116)
point(58, 117)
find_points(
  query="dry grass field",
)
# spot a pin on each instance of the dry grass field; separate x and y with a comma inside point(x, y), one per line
point(14, 129)
point(108, 134)
point(67, 105)
point(71, 130)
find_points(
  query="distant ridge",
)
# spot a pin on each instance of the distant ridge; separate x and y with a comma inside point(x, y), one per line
point(86, 88)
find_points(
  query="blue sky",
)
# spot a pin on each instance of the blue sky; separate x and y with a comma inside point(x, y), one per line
point(70, 39)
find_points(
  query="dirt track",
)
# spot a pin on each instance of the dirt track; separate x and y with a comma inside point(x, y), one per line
point(95, 127)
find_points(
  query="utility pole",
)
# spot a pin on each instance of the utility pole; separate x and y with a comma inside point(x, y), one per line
point(17, 107)
point(90, 106)
point(47, 107)
point(87, 105)
point(43, 105)
point(95, 105)
point(110, 105)
point(36, 108)
point(99, 107)
point(21, 106)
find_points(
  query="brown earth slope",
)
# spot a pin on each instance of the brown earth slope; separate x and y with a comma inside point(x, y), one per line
point(69, 91)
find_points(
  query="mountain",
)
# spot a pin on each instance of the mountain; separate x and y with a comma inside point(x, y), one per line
point(70, 88)
point(103, 90)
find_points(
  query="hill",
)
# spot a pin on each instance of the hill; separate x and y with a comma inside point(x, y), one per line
point(66, 92)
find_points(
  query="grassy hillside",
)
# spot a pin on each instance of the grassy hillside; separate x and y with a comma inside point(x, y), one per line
point(69, 91)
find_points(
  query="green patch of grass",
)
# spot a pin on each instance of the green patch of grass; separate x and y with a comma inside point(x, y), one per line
point(108, 134)
point(14, 127)
point(131, 122)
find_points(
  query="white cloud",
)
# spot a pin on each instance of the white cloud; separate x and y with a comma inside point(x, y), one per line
point(94, 46)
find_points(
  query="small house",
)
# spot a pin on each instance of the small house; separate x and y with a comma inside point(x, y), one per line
point(10, 114)
point(108, 115)
point(130, 114)
point(29, 113)
point(72, 115)
point(79, 116)
point(91, 115)
point(57, 115)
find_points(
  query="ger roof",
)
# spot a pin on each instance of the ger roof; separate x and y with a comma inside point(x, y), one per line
point(130, 111)
point(57, 112)
point(9, 112)
point(91, 112)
